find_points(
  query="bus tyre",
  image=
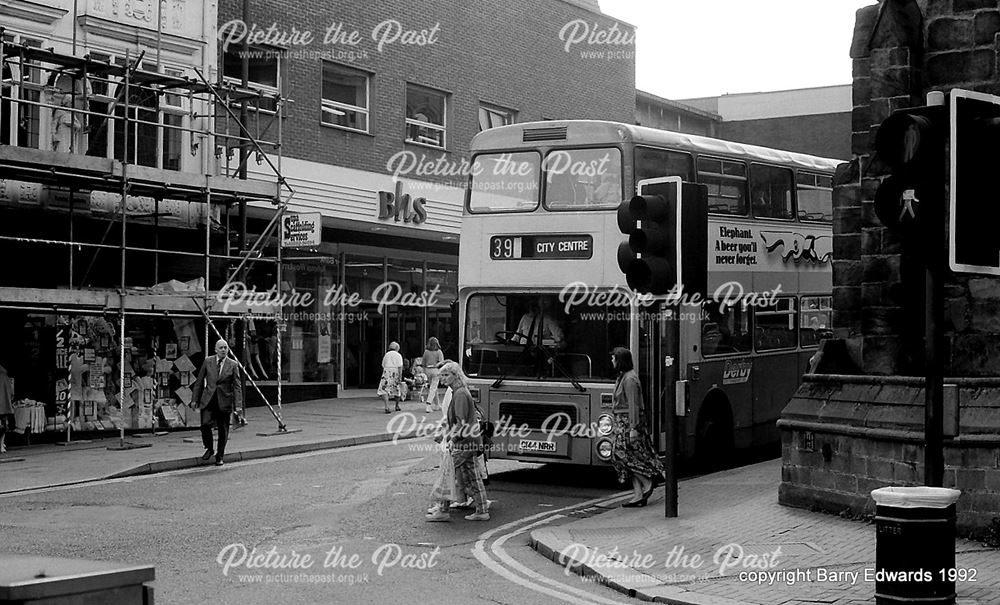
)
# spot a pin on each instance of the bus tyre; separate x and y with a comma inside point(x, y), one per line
point(714, 445)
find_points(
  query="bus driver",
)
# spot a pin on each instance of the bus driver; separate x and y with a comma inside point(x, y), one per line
point(539, 321)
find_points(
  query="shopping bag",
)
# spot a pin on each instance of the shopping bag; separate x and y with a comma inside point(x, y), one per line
point(444, 486)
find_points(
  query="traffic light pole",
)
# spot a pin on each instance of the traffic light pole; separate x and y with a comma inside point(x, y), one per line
point(934, 316)
point(934, 377)
point(671, 422)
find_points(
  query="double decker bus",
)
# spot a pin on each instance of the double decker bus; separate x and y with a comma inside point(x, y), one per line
point(542, 300)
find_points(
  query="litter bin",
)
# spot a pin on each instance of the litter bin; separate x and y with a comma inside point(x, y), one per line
point(27, 580)
point(915, 545)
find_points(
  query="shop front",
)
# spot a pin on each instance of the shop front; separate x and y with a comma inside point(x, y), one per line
point(386, 269)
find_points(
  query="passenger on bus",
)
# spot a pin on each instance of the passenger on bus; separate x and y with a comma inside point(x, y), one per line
point(608, 191)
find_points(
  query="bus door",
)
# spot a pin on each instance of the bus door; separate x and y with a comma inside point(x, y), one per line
point(656, 364)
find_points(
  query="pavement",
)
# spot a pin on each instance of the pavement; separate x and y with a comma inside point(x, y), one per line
point(354, 418)
point(732, 543)
point(723, 549)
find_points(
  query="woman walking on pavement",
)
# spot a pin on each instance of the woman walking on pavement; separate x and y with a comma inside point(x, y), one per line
point(392, 373)
point(465, 442)
point(632, 454)
point(433, 358)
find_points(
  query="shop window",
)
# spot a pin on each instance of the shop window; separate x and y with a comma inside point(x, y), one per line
point(445, 278)
point(775, 325)
point(815, 193)
point(345, 97)
point(725, 330)
point(426, 120)
point(771, 192)
point(815, 320)
point(491, 116)
point(726, 182)
point(363, 275)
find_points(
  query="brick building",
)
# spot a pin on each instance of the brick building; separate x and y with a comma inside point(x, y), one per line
point(844, 435)
point(383, 101)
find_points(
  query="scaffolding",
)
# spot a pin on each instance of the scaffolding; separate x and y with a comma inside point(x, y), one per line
point(117, 132)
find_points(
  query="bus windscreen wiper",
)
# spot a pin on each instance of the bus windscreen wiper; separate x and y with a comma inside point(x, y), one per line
point(562, 369)
point(499, 381)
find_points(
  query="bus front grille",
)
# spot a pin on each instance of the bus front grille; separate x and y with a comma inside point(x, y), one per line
point(533, 415)
point(552, 133)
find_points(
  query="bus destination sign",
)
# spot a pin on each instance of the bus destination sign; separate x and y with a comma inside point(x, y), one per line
point(548, 246)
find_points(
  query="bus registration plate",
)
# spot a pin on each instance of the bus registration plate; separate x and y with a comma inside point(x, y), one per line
point(533, 445)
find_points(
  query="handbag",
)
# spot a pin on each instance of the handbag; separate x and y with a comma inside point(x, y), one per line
point(486, 429)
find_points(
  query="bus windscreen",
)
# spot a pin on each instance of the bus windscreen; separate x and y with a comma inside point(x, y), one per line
point(536, 336)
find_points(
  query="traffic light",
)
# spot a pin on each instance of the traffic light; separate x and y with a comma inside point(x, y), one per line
point(667, 228)
point(973, 246)
point(912, 143)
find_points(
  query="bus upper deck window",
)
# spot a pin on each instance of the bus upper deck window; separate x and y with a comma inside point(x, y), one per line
point(726, 182)
point(815, 197)
point(771, 191)
point(504, 182)
point(578, 179)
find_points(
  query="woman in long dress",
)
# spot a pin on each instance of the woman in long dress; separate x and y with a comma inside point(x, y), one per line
point(392, 373)
point(465, 443)
point(632, 454)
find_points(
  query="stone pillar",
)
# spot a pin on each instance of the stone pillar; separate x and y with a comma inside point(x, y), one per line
point(843, 436)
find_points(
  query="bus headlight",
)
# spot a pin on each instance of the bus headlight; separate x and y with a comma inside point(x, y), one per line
point(605, 424)
point(604, 449)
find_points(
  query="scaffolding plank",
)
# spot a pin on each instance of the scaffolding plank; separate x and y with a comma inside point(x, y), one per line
point(56, 160)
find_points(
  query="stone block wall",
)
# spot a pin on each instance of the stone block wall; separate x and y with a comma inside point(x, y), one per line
point(901, 50)
point(844, 436)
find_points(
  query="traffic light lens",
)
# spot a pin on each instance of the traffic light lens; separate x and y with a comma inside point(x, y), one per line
point(901, 137)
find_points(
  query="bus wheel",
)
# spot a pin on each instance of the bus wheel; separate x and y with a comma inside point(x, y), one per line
point(714, 445)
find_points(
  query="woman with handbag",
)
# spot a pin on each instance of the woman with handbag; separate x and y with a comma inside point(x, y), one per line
point(465, 444)
point(392, 375)
point(632, 453)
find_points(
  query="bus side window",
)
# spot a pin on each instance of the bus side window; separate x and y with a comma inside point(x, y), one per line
point(653, 163)
point(814, 321)
point(726, 181)
point(724, 331)
point(815, 197)
point(771, 191)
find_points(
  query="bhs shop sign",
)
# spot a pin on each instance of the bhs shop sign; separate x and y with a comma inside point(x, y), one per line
point(399, 204)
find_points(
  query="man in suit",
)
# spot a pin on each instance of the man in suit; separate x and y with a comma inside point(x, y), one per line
point(218, 388)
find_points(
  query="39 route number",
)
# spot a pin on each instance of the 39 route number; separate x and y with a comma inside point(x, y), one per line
point(502, 247)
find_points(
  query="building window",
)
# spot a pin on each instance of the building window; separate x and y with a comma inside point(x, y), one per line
point(263, 73)
point(425, 116)
point(345, 97)
point(491, 116)
point(29, 119)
